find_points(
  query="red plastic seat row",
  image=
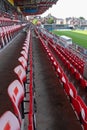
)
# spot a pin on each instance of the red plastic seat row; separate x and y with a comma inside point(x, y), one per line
point(10, 121)
point(21, 68)
point(23, 59)
point(16, 88)
point(73, 56)
point(72, 69)
point(7, 33)
point(81, 110)
point(66, 52)
point(5, 21)
point(76, 62)
point(78, 104)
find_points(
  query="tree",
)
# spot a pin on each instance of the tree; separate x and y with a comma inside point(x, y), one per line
point(50, 20)
point(82, 18)
point(35, 21)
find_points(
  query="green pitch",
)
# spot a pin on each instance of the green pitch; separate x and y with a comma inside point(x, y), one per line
point(78, 37)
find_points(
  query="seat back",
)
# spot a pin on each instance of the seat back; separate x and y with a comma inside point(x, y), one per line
point(23, 62)
point(64, 79)
point(16, 92)
point(21, 73)
point(8, 121)
point(83, 82)
point(73, 90)
point(25, 48)
point(24, 54)
point(76, 106)
point(66, 88)
point(83, 108)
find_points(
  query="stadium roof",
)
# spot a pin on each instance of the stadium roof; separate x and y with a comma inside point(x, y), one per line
point(34, 7)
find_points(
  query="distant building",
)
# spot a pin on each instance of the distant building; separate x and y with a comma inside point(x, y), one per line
point(60, 21)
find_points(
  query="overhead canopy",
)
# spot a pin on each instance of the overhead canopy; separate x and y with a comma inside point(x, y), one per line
point(34, 7)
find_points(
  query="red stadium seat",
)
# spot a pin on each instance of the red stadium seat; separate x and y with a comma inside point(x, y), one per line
point(9, 121)
point(23, 53)
point(84, 117)
point(73, 91)
point(25, 48)
point(21, 73)
point(59, 71)
point(76, 106)
point(83, 82)
point(16, 94)
point(73, 70)
point(64, 79)
point(23, 62)
point(83, 113)
point(67, 89)
point(78, 76)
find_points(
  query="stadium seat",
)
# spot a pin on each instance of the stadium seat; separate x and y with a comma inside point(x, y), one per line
point(59, 72)
point(73, 89)
point(83, 113)
point(23, 53)
point(25, 48)
point(68, 64)
point(73, 70)
point(16, 94)
point(78, 76)
point(21, 73)
point(23, 62)
point(76, 106)
point(64, 79)
point(83, 82)
point(72, 92)
point(66, 88)
point(9, 121)
point(83, 120)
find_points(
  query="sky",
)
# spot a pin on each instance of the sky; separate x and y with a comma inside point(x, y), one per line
point(68, 8)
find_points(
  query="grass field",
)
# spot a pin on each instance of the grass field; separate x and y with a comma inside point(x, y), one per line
point(78, 37)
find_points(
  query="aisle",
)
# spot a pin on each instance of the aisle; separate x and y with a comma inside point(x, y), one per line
point(54, 111)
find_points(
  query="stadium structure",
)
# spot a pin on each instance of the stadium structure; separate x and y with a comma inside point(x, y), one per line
point(42, 83)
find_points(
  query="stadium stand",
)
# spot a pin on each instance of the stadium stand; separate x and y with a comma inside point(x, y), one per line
point(37, 90)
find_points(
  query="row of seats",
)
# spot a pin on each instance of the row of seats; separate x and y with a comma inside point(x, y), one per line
point(76, 61)
point(16, 91)
point(22, 59)
point(73, 62)
point(76, 101)
point(7, 21)
point(21, 69)
point(8, 32)
point(70, 67)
